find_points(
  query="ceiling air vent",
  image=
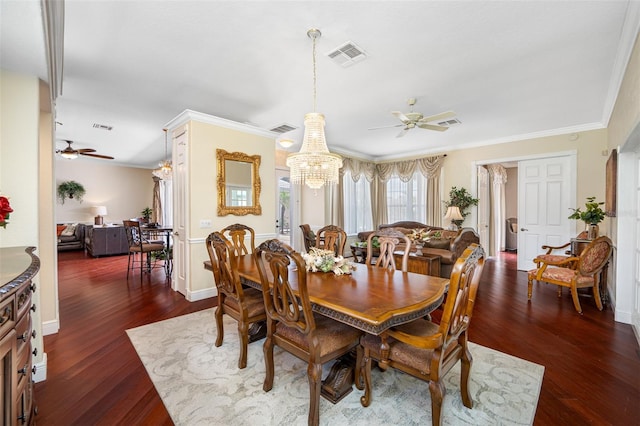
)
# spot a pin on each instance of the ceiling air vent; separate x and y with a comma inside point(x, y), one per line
point(449, 123)
point(283, 128)
point(102, 126)
point(347, 54)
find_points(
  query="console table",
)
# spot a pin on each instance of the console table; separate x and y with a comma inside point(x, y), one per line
point(18, 266)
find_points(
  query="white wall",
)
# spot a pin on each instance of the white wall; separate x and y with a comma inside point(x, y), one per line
point(125, 191)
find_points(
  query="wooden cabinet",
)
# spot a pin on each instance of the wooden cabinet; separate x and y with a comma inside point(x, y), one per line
point(18, 266)
point(106, 241)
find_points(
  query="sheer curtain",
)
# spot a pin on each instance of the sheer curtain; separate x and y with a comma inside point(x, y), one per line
point(166, 199)
point(498, 176)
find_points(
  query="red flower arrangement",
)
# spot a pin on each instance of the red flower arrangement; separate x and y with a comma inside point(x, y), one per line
point(5, 209)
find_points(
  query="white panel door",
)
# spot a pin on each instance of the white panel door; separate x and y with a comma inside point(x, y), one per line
point(180, 213)
point(545, 188)
point(484, 208)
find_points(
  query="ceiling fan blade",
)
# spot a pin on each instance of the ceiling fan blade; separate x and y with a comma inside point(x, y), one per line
point(86, 150)
point(402, 132)
point(385, 127)
point(401, 116)
point(106, 157)
point(432, 127)
point(438, 117)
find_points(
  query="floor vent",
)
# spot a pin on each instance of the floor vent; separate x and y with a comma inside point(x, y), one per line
point(347, 54)
point(283, 128)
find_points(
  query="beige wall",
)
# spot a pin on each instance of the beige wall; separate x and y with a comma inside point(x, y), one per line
point(590, 162)
point(511, 193)
point(125, 191)
point(20, 136)
point(205, 138)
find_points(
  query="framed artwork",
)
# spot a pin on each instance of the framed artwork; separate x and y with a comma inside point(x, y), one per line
point(611, 188)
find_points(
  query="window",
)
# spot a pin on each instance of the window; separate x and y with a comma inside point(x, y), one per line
point(357, 204)
point(407, 200)
point(238, 196)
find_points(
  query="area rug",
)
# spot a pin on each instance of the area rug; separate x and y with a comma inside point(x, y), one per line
point(202, 385)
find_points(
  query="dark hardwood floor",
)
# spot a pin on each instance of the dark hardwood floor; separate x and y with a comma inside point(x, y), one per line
point(592, 364)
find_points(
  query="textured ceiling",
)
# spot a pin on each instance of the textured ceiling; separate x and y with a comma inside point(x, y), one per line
point(510, 70)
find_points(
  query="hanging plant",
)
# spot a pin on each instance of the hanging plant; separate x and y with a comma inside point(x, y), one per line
point(70, 189)
point(459, 197)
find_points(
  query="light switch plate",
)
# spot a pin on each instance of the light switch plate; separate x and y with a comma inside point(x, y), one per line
point(205, 223)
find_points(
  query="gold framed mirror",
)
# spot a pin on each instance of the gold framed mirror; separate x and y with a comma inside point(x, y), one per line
point(238, 183)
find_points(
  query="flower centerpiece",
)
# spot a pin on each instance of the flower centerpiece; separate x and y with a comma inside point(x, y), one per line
point(5, 209)
point(592, 216)
point(318, 259)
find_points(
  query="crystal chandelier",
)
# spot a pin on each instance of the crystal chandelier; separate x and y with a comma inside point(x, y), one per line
point(314, 165)
point(165, 170)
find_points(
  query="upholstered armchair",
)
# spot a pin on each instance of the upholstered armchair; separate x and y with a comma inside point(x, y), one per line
point(574, 272)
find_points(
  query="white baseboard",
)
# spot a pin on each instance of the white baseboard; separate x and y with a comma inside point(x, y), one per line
point(41, 370)
point(50, 327)
point(193, 296)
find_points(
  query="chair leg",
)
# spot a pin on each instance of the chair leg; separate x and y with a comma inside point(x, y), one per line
point(357, 374)
point(268, 357)
point(466, 362)
point(314, 374)
point(437, 391)
point(219, 322)
point(365, 399)
point(596, 293)
point(576, 302)
point(529, 288)
point(243, 334)
point(128, 264)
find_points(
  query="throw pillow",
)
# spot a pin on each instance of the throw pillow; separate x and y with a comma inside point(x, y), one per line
point(60, 228)
point(69, 230)
point(443, 244)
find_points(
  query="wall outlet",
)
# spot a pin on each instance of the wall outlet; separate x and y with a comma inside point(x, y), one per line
point(205, 223)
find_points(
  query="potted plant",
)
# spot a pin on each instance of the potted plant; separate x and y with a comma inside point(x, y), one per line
point(70, 189)
point(146, 214)
point(591, 216)
point(459, 197)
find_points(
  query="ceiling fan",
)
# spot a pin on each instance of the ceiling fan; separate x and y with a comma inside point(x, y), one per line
point(70, 153)
point(411, 120)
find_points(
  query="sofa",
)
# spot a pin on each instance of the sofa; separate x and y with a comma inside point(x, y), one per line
point(70, 236)
point(448, 245)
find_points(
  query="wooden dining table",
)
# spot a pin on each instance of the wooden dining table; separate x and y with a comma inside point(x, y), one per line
point(371, 299)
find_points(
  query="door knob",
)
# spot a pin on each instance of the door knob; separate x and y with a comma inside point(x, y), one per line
point(523, 229)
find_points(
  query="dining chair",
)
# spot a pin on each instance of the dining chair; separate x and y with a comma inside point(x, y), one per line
point(388, 239)
point(244, 305)
point(426, 350)
point(332, 237)
point(291, 323)
point(308, 236)
point(139, 246)
point(573, 272)
point(237, 234)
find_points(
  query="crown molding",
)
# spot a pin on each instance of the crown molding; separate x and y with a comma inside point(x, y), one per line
point(190, 115)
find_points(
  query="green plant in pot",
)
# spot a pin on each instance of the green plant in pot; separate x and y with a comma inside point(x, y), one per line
point(146, 214)
point(70, 189)
point(459, 197)
point(592, 215)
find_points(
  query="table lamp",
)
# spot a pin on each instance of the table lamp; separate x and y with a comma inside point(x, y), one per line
point(453, 213)
point(99, 211)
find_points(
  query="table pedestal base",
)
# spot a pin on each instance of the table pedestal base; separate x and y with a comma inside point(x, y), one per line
point(257, 331)
point(338, 383)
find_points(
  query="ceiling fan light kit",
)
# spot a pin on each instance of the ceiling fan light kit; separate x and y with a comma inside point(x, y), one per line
point(314, 165)
point(71, 154)
point(411, 120)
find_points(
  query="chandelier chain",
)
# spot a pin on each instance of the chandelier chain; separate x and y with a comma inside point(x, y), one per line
point(315, 76)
